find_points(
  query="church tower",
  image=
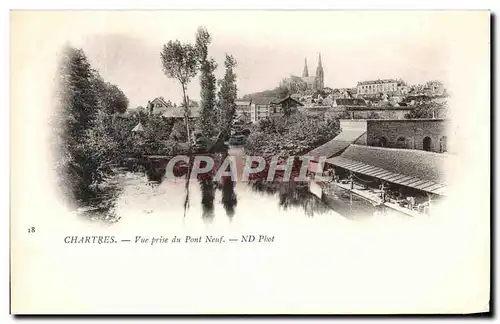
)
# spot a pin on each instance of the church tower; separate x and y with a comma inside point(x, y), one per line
point(305, 74)
point(320, 82)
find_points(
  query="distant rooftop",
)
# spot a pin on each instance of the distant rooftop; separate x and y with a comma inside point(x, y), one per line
point(397, 120)
point(243, 102)
point(399, 82)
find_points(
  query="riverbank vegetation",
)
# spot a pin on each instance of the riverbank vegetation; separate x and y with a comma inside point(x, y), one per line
point(85, 146)
point(290, 135)
point(94, 131)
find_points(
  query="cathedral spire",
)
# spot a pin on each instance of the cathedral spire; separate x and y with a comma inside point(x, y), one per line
point(320, 82)
point(306, 72)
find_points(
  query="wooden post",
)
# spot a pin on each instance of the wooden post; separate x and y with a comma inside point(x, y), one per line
point(350, 191)
point(429, 196)
point(382, 191)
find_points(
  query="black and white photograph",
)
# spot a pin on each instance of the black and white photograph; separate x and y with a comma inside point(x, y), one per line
point(250, 162)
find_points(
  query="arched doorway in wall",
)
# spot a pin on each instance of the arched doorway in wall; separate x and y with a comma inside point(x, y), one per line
point(443, 145)
point(427, 143)
point(382, 142)
point(401, 142)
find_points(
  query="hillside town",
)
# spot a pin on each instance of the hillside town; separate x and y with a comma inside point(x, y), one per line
point(383, 141)
point(392, 139)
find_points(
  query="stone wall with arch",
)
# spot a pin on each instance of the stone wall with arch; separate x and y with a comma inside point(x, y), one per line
point(413, 131)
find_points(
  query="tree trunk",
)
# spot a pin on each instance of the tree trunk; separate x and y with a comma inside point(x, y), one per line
point(186, 120)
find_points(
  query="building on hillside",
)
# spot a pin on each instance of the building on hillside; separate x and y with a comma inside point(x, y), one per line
point(306, 82)
point(375, 87)
point(243, 110)
point(166, 109)
point(280, 106)
point(259, 109)
point(398, 97)
point(328, 90)
point(434, 88)
point(266, 108)
point(158, 106)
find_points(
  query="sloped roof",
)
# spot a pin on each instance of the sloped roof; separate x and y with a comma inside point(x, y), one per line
point(262, 101)
point(138, 128)
point(336, 145)
point(427, 166)
point(243, 102)
point(393, 177)
point(279, 101)
point(399, 82)
point(160, 99)
point(329, 149)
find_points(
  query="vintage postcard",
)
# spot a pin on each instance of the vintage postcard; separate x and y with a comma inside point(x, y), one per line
point(250, 162)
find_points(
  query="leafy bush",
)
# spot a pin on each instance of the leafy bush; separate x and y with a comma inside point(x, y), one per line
point(294, 135)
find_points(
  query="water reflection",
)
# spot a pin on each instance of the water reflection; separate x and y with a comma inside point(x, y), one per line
point(100, 204)
point(229, 199)
point(207, 188)
point(149, 191)
point(291, 194)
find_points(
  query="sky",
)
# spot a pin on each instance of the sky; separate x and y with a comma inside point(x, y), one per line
point(269, 45)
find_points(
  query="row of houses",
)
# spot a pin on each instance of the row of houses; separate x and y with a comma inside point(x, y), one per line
point(252, 111)
point(396, 87)
point(374, 87)
point(354, 108)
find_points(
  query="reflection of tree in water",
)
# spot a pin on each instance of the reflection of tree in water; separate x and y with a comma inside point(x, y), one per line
point(291, 195)
point(207, 187)
point(226, 186)
point(229, 199)
point(155, 176)
point(101, 204)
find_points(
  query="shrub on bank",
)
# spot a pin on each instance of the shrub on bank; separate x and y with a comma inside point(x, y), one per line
point(293, 135)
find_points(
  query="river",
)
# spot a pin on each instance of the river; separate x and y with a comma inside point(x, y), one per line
point(135, 194)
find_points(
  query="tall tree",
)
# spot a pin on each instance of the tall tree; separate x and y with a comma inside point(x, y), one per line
point(180, 61)
point(111, 98)
point(116, 101)
point(227, 95)
point(207, 120)
point(76, 113)
point(77, 99)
